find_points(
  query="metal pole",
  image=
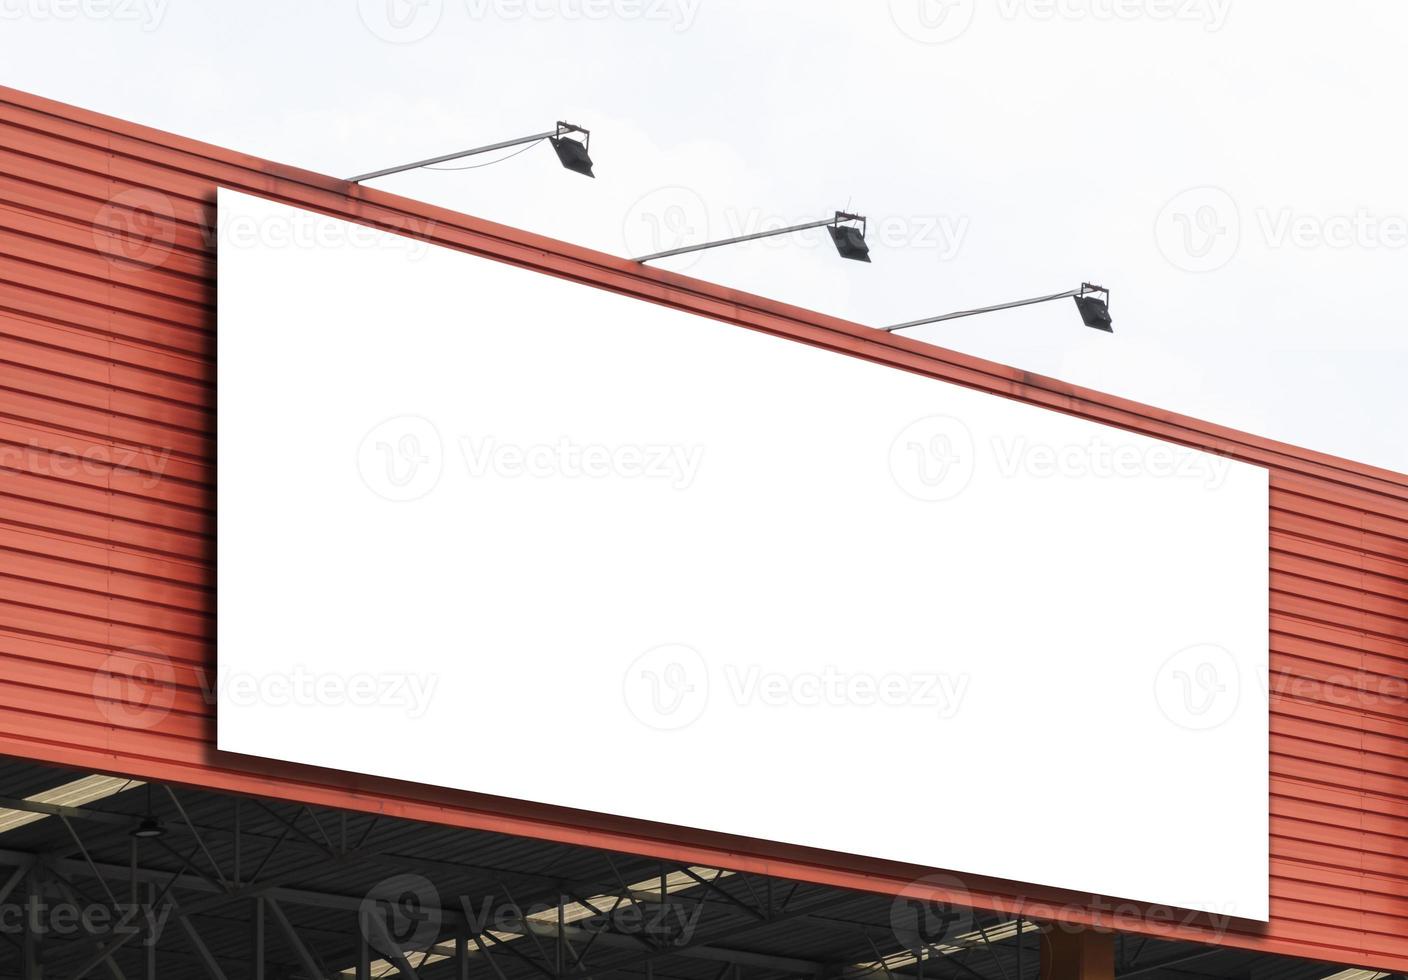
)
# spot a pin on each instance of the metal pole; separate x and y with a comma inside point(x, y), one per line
point(741, 238)
point(151, 938)
point(987, 309)
point(364, 953)
point(237, 841)
point(466, 153)
point(32, 964)
point(1019, 948)
point(258, 972)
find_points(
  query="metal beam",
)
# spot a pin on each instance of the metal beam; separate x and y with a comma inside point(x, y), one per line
point(704, 947)
point(198, 944)
point(305, 957)
point(772, 233)
point(1077, 954)
point(259, 940)
point(489, 148)
point(1068, 294)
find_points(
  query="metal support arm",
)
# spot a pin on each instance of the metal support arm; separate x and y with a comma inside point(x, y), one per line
point(1085, 288)
point(773, 233)
point(561, 128)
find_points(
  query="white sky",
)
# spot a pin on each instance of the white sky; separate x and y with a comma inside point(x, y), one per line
point(1002, 149)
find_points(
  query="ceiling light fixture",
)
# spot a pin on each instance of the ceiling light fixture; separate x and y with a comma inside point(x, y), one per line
point(149, 827)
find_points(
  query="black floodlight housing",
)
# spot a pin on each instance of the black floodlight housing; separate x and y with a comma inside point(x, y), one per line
point(848, 239)
point(1094, 311)
point(573, 153)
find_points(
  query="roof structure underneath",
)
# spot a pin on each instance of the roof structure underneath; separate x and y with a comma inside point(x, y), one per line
point(100, 874)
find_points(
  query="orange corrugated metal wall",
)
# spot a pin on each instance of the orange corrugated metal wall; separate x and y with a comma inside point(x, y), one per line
point(106, 529)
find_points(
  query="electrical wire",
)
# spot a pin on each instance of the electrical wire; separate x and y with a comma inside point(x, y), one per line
point(476, 166)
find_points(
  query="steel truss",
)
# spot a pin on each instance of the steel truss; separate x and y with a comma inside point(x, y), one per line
point(161, 909)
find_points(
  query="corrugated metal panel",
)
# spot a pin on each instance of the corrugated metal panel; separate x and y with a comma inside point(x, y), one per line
point(106, 526)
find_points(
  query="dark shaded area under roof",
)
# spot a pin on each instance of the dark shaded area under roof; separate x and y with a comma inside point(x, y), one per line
point(323, 886)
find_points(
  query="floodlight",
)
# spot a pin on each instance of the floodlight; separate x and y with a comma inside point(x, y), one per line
point(1094, 311)
point(572, 153)
point(849, 240)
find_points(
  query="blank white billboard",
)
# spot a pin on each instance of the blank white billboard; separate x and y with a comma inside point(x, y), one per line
point(491, 530)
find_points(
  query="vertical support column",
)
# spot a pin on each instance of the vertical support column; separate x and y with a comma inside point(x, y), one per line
point(364, 951)
point(151, 939)
point(561, 928)
point(1077, 955)
point(462, 954)
point(258, 972)
point(238, 836)
point(1021, 937)
point(33, 968)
